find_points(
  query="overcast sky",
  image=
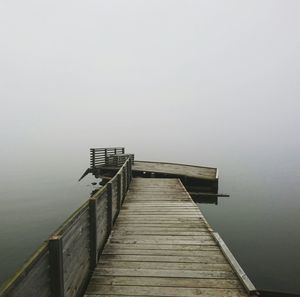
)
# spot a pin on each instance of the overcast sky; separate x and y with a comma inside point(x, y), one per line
point(208, 78)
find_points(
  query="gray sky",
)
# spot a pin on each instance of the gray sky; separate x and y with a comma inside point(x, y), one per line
point(209, 78)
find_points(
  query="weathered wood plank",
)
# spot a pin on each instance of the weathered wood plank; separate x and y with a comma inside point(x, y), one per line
point(164, 241)
point(174, 219)
point(171, 238)
point(160, 252)
point(177, 225)
point(219, 259)
point(149, 208)
point(177, 169)
point(174, 247)
point(76, 229)
point(124, 232)
point(165, 282)
point(34, 282)
point(159, 216)
point(164, 266)
point(160, 211)
point(163, 291)
point(114, 271)
point(158, 228)
point(241, 274)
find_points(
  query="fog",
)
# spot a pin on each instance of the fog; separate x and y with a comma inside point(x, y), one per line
point(201, 82)
point(167, 79)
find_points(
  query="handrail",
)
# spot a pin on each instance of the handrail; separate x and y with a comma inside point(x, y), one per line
point(98, 156)
point(63, 264)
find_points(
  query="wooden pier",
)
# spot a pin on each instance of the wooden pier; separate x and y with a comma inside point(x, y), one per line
point(194, 178)
point(134, 237)
point(161, 245)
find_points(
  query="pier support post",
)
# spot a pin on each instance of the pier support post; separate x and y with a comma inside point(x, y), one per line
point(56, 266)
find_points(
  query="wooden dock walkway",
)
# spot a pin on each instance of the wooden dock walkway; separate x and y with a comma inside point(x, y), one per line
point(192, 171)
point(136, 236)
point(161, 245)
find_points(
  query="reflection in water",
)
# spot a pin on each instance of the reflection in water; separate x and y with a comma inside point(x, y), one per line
point(205, 199)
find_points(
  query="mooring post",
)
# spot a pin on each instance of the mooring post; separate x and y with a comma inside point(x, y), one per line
point(56, 266)
point(109, 207)
point(93, 232)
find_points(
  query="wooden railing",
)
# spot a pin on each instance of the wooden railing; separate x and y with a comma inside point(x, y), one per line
point(62, 266)
point(98, 156)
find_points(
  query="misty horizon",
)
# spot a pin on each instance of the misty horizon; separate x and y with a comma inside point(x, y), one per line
point(207, 83)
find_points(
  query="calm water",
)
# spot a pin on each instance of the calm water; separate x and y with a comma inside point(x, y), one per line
point(259, 222)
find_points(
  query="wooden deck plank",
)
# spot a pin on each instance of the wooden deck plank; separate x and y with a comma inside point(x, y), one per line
point(165, 282)
point(96, 290)
point(176, 259)
point(165, 265)
point(176, 225)
point(178, 274)
point(161, 245)
point(122, 251)
point(178, 169)
point(160, 232)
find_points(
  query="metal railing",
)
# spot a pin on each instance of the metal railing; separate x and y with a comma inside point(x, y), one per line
point(62, 266)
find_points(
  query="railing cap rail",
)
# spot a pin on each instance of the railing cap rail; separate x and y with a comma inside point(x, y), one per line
point(106, 148)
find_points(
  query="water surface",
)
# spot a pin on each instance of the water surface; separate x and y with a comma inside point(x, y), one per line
point(259, 221)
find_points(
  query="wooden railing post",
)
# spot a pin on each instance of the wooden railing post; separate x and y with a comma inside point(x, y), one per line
point(124, 182)
point(119, 183)
point(56, 266)
point(105, 156)
point(131, 162)
point(93, 232)
point(128, 173)
point(129, 168)
point(93, 158)
point(123, 150)
point(109, 207)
